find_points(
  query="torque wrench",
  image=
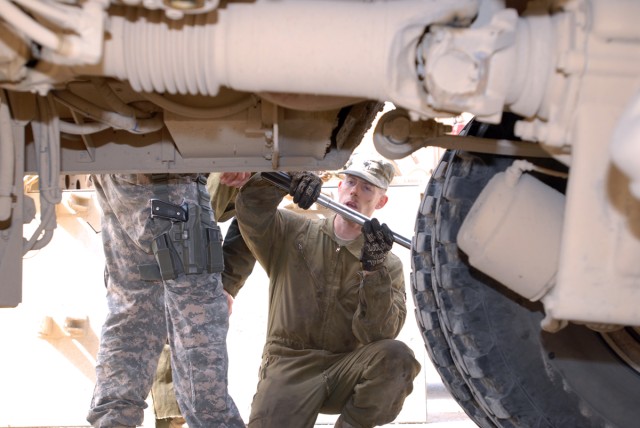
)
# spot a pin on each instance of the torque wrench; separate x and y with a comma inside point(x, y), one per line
point(282, 180)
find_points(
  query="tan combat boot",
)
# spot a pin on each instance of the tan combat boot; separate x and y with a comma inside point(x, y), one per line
point(177, 423)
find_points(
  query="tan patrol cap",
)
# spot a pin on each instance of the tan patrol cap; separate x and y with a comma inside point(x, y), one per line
point(378, 172)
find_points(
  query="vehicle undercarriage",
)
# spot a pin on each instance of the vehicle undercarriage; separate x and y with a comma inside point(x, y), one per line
point(525, 257)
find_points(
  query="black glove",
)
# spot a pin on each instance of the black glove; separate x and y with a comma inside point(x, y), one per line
point(305, 188)
point(378, 240)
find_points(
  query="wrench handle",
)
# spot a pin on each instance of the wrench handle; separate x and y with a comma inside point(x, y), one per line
point(282, 180)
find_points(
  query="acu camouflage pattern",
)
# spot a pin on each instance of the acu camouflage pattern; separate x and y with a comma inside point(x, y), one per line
point(238, 265)
point(190, 311)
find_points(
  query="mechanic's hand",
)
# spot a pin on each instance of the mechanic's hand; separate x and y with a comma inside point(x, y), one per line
point(378, 240)
point(235, 179)
point(305, 188)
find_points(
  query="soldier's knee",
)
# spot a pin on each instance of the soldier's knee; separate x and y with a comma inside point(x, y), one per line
point(396, 359)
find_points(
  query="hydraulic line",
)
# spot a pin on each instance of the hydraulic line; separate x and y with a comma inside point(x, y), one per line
point(117, 121)
point(46, 135)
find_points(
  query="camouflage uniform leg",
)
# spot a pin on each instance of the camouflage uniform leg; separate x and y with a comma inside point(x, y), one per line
point(132, 336)
point(238, 265)
point(198, 319)
point(192, 309)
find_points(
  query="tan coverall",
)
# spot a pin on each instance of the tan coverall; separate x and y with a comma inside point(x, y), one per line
point(330, 332)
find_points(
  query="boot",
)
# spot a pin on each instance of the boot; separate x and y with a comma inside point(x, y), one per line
point(341, 423)
point(178, 422)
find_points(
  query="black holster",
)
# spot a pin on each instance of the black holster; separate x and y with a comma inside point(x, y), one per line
point(189, 247)
point(192, 244)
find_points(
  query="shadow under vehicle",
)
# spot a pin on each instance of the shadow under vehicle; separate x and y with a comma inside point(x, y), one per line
point(525, 257)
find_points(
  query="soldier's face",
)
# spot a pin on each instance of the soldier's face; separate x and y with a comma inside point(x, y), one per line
point(360, 195)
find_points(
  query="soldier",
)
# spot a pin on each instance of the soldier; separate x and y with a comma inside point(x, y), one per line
point(239, 263)
point(336, 304)
point(163, 262)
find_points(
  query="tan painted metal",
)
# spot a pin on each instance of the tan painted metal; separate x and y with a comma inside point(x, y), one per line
point(576, 76)
point(513, 230)
point(180, 85)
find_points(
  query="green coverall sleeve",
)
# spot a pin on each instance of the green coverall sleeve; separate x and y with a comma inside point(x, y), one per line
point(223, 198)
point(238, 259)
point(381, 309)
point(261, 224)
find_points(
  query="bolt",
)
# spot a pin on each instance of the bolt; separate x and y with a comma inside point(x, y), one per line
point(397, 130)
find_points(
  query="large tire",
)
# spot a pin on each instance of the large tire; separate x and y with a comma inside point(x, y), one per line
point(486, 342)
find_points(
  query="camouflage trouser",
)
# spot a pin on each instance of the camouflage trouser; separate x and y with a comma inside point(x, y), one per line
point(191, 310)
point(238, 265)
